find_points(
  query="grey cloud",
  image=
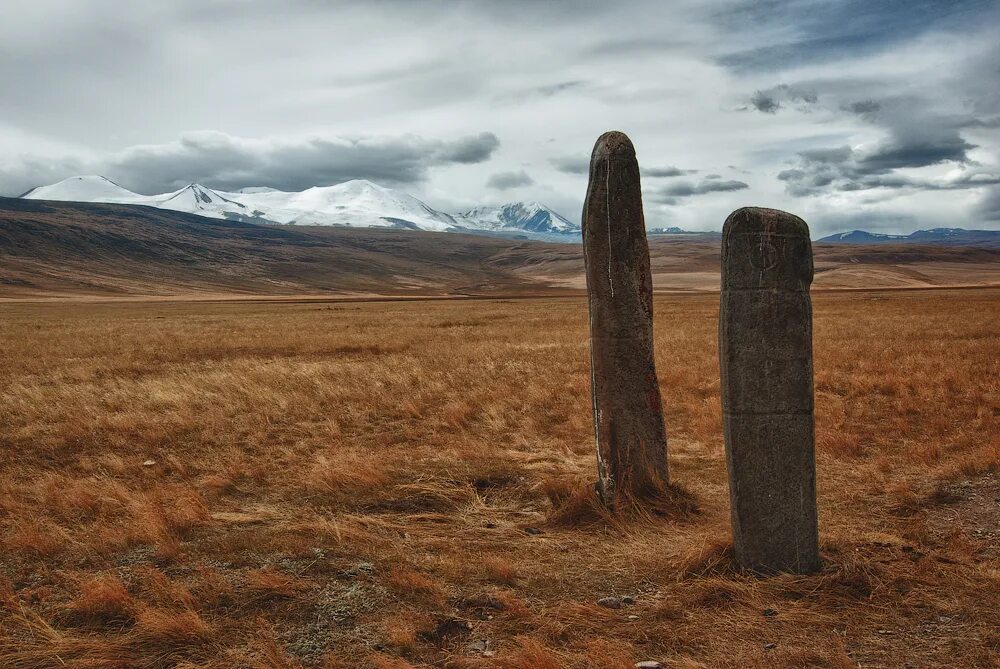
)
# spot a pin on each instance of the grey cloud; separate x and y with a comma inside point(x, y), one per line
point(837, 155)
point(862, 107)
point(581, 165)
point(843, 169)
point(225, 162)
point(687, 189)
point(529, 94)
point(770, 100)
point(993, 122)
point(988, 208)
point(765, 103)
point(666, 171)
point(917, 150)
point(468, 150)
point(508, 180)
point(552, 89)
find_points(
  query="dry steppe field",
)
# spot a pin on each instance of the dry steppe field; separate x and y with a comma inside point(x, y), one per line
point(408, 484)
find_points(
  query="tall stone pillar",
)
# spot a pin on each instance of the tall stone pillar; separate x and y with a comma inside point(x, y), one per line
point(765, 355)
point(628, 416)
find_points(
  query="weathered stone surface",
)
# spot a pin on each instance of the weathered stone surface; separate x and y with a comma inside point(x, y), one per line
point(765, 355)
point(628, 415)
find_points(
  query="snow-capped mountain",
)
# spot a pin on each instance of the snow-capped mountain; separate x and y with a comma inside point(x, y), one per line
point(357, 203)
point(90, 188)
point(197, 199)
point(526, 216)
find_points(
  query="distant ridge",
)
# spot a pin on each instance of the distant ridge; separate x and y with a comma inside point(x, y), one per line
point(951, 236)
point(680, 231)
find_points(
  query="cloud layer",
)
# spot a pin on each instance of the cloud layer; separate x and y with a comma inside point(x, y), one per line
point(220, 161)
point(867, 114)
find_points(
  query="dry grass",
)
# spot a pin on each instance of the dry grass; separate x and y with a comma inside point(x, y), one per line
point(408, 485)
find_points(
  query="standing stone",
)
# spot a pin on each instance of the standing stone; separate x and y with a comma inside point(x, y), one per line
point(628, 416)
point(765, 354)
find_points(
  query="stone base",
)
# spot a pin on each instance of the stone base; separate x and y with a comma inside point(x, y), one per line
point(772, 474)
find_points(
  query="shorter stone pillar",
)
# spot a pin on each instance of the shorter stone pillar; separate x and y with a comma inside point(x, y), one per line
point(765, 356)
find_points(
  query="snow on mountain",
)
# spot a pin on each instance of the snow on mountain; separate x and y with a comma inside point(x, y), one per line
point(88, 188)
point(674, 230)
point(860, 237)
point(527, 216)
point(257, 189)
point(357, 203)
point(197, 199)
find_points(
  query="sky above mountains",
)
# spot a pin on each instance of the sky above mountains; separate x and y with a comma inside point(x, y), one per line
point(878, 115)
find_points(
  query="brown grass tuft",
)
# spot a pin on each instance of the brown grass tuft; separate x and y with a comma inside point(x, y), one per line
point(411, 585)
point(531, 654)
point(163, 631)
point(103, 600)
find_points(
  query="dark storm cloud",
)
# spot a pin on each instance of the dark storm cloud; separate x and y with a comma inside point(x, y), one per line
point(687, 189)
point(508, 180)
point(228, 163)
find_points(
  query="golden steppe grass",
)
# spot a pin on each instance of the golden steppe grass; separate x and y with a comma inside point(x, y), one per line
point(400, 485)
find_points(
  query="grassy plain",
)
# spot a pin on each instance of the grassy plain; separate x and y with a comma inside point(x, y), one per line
point(395, 485)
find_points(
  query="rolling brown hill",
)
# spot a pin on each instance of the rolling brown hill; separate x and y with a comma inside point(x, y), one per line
point(59, 249)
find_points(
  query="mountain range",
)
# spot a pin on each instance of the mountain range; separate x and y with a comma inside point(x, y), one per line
point(363, 204)
point(357, 204)
point(950, 236)
point(66, 249)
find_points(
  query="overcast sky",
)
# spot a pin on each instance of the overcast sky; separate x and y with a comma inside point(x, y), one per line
point(854, 114)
